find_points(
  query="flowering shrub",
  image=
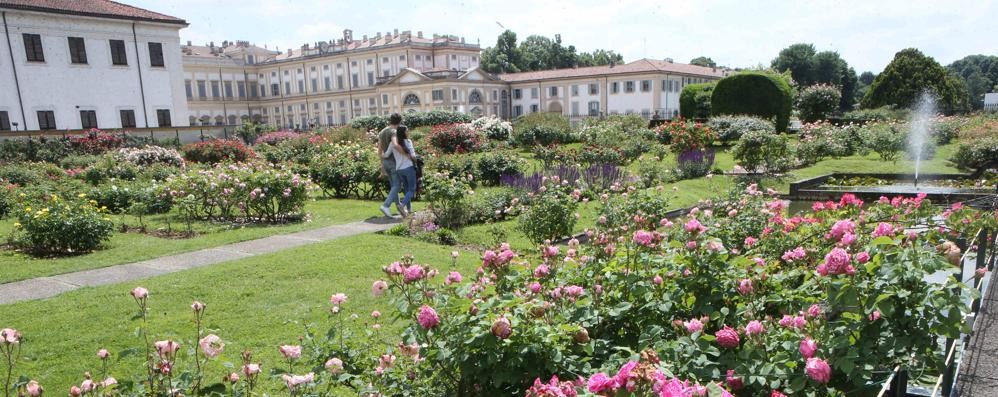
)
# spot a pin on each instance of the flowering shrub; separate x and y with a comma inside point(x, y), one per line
point(540, 128)
point(254, 193)
point(978, 155)
point(493, 127)
point(58, 226)
point(494, 164)
point(119, 198)
point(96, 141)
point(694, 163)
point(273, 138)
point(887, 139)
point(763, 151)
point(447, 198)
point(684, 136)
point(456, 138)
point(348, 170)
point(823, 139)
point(412, 119)
point(149, 155)
point(818, 102)
point(550, 213)
point(217, 151)
point(731, 128)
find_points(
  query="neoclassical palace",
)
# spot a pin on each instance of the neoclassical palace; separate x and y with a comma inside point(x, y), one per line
point(98, 63)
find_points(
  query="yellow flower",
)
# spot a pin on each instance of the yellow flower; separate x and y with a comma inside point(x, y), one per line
point(27, 209)
point(17, 224)
point(81, 195)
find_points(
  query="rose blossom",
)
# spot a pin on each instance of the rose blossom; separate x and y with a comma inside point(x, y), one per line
point(166, 348)
point(734, 382)
point(453, 278)
point(883, 229)
point(33, 389)
point(75, 391)
point(140, 293)
point(875, 315)
point(334, 366)
point(502, 328)
point(379, 287)
point(808, 347)
point(818, 370)
point(427, 317)
point(600, 383)
point(754, 327)
point(232, 377)
point(814, 311)
point(644, 238)
point(10, 336)
point(862, 257)
point(251, 370)
point(750, 241)
point(290, 352)
point(211, 345)
point(541, 271)
point(657, 280)
point(198, 307)
point(745, 286)
point(338, 299)
point(694, 325)
point(727, 337)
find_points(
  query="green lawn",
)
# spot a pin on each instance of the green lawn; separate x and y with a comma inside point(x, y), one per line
point(134, 246)
point(254, 304)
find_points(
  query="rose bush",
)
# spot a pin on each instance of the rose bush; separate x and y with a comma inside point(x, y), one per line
point(217, 151)
point(241, 192)
point(456, 138)
point(61, 226)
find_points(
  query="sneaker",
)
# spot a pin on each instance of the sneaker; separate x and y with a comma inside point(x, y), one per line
point(386, 211)
point(403, 212)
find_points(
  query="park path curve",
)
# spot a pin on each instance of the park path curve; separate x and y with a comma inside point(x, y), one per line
point(49, 286)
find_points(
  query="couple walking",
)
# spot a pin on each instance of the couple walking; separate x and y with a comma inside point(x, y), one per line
point(398, 163)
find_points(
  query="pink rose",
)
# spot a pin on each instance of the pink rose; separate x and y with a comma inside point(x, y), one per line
point(883, 229)
point(427, 317)
point(754, 327)
point(818, 370)
point(75, 391)
point(863, 257)
point(33, 389)
point(727, 337)
point(251, 370)
point(10, 336)
point(745, 286)
point(212, 345)
point(541, 271)
point(814, 311)
point(502, 328)
point(334, 366)
point(453, 278)
point(338, 299)
point(657, 280)
point(379, 287)
point(600, 383)
point(750, 241)
point(693, 325)
point(198, 307)
point(875, 315)
point(290, 352)
point(232, 377)
point(808, 347)
point(140, 293)
point(166, 348)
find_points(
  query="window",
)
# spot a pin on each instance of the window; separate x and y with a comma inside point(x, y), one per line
point(46, 120)
point(517, 93)
point(250, 59)
point(355, 80)
point(384, 99)
point(438, 95)
point(645, 85)
point(88, 119)
point(575, 90)
point(287, 88)
point(370, 79)
point(163, 117)
point(301, 86)
point(593, 89)
point(275, 89)
point(190, 91)
point(371, 101)
point(554, 91)
point(4, 121)
point(575, 108)
point(127, 118)
point(254, 91)
point(533, 108)
point(214, 89)
point(517, 110)
point(201, 91)
point(412, 99)
point(593, 108)
point(33, 48)
point(475, 97)
point(453, 94)
point(615, 87)
point(228, 89)
point(241, 88)
point(156, 56)
point(628, 86)
point(339, 82)
point(533, 93)
point(370, 61)
point(665, 86)
point(327, 83)
point(77, 51)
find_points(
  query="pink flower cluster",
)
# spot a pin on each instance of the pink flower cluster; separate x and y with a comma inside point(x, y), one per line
point(427, 317)
point(795, 254)
point(727, 337)
point(837, 261)
point(495, 260)
point(634, 376)
point(553, 388)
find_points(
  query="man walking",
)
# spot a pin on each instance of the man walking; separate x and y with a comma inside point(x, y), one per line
point(388, 164)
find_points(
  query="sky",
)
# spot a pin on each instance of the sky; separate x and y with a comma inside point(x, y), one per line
point(734, 33)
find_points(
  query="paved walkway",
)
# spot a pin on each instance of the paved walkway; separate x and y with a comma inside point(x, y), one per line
point(979, 368)
point(45, 287)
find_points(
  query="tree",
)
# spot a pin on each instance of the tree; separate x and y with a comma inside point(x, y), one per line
point(818, 102)
point(694, 100)
point(536, 53)
point(598, 58)
point(867, 78)
point(828, 68)
point(504, 57)
point(910, 74)
point(764, 94)
point(797, 58)
point(980, 75)
point(849, 87)
point(703, 61)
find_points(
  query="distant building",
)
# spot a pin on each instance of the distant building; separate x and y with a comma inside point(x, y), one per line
point(73, 64)
point(991, 102)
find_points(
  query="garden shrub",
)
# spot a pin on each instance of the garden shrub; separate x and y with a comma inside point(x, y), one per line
point(642, 209)
point(273, 138)
point(455, 166)
point(887, 139)
point(447, 198)
point(248, 193)
point(652, 171)
point(108, 167)
point(762, 94)
point(59, 226)
point(412, 120)
point(830, 140)
point(764, 151)
point(96, 141)
point(945, 129)
point(299, 150)
point(818, 102)
point(149, 155)
point(596, 154)
point(78, 161)
point(977, 155)
point(883, 113)
point(493, 128)
point(541, 128)
point(348, 170)
point(555, 154)
point(628, 135)
point(493, 205)
point(249, 131)
point(695, 101)
point(217, 151)
point(731, 128)
point(119, 198)
point(24, 174)
point(685, 136)
point(30, 149)
point(343, 134)
point(694, 163)
point(456, 138)
point(549, 214)
point(494, 164)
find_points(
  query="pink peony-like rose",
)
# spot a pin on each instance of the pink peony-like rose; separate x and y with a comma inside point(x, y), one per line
point(251, 370)
point(535, 287)
point(840, 228)
point(290, 352)
point(502, 328)
point(818, 370)
point(453, 278)
point(33, 388)
point(541, 271)
point(212, 345)
point(734, 382)
point(643, 238)
point(427, 317)
point(198, 307)
point(836, 262)
point(814, 311)
point(862, 257)
point(109, 381)
point(777, 393)
point(875, 315)
point(75, 391)
point(413, 273)
point(338, 299)
point(694, 325)
point(10, 336)
point(379, 287)
point(727, 337)
point(794, 254)
point(883, 229)
point(715, 246)
point(88, 385)
point(600, 383)
point(166, 348)
point(334, 366)
point(693, 226)
point(745, 286)
point(140, 293)
point(626, 377)
point(754, 327)
point(657, 280)
point(750, 241)
point(808, 347)
point(232, 378)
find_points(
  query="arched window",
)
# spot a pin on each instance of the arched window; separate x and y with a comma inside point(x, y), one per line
point(232, 119)
point(475, 97)
point(411, 100)
point(192, 121)
point(219, 120)
point(205, 120)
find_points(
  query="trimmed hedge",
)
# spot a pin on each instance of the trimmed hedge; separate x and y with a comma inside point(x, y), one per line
point(412, 119)
point(761, 94)
point(695, 100)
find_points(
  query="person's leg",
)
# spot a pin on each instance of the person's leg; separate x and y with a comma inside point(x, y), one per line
point(409, 177)
point(393, 191)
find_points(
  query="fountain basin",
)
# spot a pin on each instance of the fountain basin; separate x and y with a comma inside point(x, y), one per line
point(940, 188)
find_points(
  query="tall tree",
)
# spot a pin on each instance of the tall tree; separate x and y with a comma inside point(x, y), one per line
point(828, 67)
point(703, 61)
point(980, 75)
point(849, 88)
point(910, 74)
point(797, 58)
point(536, 53)
point(504, 57)
point(598, 57)
point(867, 78)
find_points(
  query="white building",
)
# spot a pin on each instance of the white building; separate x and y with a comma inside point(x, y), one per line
point(75, 64)
point(991, 102)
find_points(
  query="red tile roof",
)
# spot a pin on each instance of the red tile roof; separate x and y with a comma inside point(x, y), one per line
point(639, 66)
point(91, 8)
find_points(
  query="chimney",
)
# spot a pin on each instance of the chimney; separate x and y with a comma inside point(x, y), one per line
point(669, 60)
point(347, 35)
point(377, 36)
point(211, 44)
point(613, 63)
point(396, 32)
point(435, 37)
point(365, 38)
point(419, 34)
point(188, 43)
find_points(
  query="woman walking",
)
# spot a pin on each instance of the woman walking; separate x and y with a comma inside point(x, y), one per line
point(405, 165)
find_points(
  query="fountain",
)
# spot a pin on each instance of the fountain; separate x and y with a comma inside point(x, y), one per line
point(920, 127)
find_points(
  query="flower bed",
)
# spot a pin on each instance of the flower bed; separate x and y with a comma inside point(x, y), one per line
point(253, 193)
